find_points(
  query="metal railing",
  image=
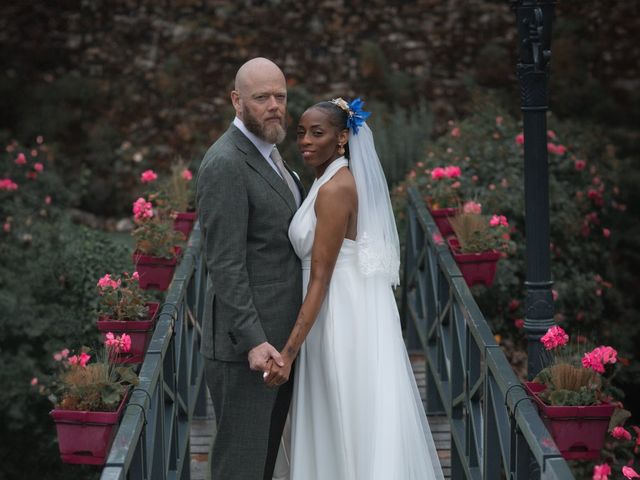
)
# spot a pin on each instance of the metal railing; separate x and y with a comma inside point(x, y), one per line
point(152, 441)
point(496, 432)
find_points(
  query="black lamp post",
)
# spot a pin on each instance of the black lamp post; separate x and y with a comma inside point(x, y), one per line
point(534, 21)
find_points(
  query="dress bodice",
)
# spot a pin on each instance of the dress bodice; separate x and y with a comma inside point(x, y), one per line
point(303, 225)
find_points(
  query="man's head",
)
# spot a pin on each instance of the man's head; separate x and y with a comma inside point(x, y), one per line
point(260, 99)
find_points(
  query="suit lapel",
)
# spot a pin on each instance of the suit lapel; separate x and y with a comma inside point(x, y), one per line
point(258, 163)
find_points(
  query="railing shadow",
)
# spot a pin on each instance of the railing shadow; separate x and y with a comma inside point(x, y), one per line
point(152, 441)
point(496, 432)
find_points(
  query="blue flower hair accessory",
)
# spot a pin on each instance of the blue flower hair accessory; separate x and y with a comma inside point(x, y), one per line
point(357, 116)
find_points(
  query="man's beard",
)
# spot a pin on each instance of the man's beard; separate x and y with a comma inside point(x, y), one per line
point(272, 133)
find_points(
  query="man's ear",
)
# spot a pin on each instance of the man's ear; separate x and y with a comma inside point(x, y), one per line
point(235, 100)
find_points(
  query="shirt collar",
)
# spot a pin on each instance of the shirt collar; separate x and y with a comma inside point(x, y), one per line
point(263, 147)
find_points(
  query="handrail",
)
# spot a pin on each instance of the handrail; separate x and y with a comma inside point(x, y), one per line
point(496, 432)
point(152, 441)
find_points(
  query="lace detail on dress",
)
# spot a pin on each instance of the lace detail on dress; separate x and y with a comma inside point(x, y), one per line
point(377, 260)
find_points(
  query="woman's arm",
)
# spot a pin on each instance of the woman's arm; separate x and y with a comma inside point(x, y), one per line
point(334, 208)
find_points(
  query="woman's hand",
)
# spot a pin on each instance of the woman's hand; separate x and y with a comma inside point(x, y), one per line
point(278, 375)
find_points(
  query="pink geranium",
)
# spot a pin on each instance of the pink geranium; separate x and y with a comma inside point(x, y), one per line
point(621, 433)
point(81, 359)
point(148, 176)
point(630, 473)
point(554, 338)
point(119, 344)
point(599, 357)
point(580, 164)
point(455, 132)
point(38, 167)
point(186, 174)
point(472, 207)
point(21, 159)
point(438, 173)
point(556, 149)
point(452, 171)
point(497, 220)
point(601, 472)
point(520, 139)
point(8, 184)
point(108, 282)
point(142, 209)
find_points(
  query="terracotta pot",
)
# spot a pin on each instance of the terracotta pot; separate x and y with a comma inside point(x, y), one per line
point(140, 332)
point(579, 431)
point(155, 272)
point(441, 217)
point(86, 437)
point(184, 222)
point(476, 268)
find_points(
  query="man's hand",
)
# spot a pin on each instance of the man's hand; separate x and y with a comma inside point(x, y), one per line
point(260, 355)
point(278, 374)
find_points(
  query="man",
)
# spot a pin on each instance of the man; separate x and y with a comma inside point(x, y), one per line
point(246, 198)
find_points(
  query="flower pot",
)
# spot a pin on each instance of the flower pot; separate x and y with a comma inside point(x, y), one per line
point(476, 268)
point(579, 431)
point(441, 217)
point(155, 272)
point(85, 437)
point(184, 222)
point(140, 332)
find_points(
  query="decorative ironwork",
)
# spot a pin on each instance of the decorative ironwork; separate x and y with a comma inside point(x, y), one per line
point(496, 431)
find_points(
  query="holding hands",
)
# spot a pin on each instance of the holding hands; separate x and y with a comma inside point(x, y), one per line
point(262, 356)
point(278, 374)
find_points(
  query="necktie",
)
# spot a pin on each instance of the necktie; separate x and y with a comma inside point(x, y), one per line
point(284, 173)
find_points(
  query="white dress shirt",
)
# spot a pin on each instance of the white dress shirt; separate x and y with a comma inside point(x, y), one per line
point(263, 147)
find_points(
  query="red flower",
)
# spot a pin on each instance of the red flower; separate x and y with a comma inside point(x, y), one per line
point(580, 164)
point(520, 139)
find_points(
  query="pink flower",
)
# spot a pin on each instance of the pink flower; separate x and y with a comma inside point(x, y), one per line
point(21, 159)
point(554, 294)
point(556, 149)
point(599, 357)
point(135, 276)
point(438, 173)
point(125, 343)
point(601, 472)
point(498, 220)
point(47, 200)
point(514, 305)
point(455, 132)
point(472, 207)
point(84, 359)
point(108, 282)
point(551, 134)
point(6, 227)
point(555, 337)
point(142, 209)
point(34, 381)
point(606, 233)
point(629, 472)
point(186, 174)
point(621, 433)
point(118, 344)
point(148, 176)
point(520, 139)
point(580, 164)
point(38, 167)
point(519, 323)
point(437, 239)
point(8, 184)
point(452, 171)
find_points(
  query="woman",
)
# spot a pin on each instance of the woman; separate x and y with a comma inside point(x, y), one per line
point(356, 412)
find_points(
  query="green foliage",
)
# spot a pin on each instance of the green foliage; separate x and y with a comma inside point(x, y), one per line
point(156, 237)
point(121, 298)
point(475, 233)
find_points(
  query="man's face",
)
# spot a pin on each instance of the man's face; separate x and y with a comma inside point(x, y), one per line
point(262, 105)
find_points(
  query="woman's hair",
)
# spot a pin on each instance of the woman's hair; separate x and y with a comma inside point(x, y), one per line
point(337, 118)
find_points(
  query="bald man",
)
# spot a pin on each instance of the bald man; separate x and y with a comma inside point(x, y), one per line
point(245, 200)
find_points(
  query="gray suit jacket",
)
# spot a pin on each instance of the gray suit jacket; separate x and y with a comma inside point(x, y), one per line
point(254, 285)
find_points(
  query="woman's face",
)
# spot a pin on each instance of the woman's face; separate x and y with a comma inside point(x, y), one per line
point(318, 139)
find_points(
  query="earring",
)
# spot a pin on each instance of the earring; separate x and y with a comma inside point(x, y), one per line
point(340, 149)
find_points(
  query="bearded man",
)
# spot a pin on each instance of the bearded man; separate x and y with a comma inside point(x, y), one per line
point(246, 197)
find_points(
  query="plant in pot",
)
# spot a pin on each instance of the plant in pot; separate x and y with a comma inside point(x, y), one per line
point(174, 196)
point(89, 399)
point(442, 195)
point(575, 396)
point(123, 307)
point(156, 246)
point(479, 242)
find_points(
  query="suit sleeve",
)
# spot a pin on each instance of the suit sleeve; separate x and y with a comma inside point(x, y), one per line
point(223, 206)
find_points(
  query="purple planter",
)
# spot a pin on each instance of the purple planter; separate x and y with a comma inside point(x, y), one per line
point(86, 437)
point(441, 217)
point(140, 332)
point(476, 268)
point(578, 431)
point(184, 222)
point(155, 272)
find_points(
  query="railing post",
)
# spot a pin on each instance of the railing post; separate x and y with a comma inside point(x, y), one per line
point(534, 22)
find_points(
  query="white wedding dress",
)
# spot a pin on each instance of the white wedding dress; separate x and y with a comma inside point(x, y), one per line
point(356, 413)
